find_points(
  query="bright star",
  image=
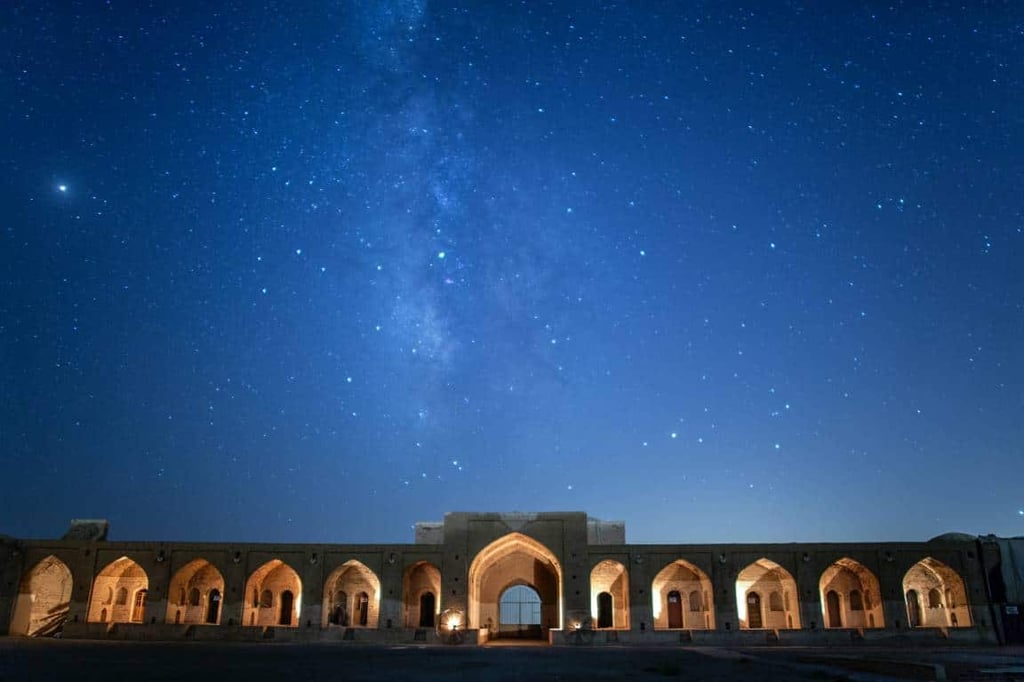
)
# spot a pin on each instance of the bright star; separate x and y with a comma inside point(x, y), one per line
point(62, 188)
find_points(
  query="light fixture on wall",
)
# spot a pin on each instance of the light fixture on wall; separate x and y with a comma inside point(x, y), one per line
point(160, 557)
point(237, 558)
point(392, 558)
point(722, 558)
point(313, 558)
point(806, 557)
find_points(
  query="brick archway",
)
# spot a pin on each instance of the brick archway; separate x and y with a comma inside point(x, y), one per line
point(514, 559)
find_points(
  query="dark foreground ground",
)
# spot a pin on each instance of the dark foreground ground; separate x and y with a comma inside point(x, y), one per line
point(81, 661)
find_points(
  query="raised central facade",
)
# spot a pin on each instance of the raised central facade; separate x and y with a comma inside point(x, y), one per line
point(557, 576)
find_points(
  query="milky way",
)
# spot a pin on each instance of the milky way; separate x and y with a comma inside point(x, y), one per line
point(318, 270)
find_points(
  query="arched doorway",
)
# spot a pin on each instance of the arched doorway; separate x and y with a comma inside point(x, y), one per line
point(268, 586)
point(427, 610)
point(139, 606)
point(363, 609)
point(520, 613)
point(287, 602)
point(190, 595)
point(118, 593)
point(833, 612)
point(605, 611)
point(514, 560)
point(609, 590)
point(754, 619)
point(44, 599)
point(420, 580)
point(913, 608)
point(213, 607)
point(672, 586)
point(354, 592)
point(675, 610)
point(944, 593)
point(858, 595)
point(765, 577)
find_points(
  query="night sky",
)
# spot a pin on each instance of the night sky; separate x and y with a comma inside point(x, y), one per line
point(315, 271)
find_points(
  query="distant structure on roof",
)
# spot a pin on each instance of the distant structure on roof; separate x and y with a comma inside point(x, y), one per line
point(87, 530)
point(561, 577)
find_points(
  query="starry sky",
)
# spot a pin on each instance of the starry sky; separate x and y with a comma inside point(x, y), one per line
point(317, 270)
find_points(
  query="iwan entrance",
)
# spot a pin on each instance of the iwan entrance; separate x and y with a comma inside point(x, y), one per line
point(515, 589)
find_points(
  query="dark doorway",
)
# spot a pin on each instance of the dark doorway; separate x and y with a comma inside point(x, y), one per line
point(427, 610)
point(213, 607)
point(754, 610)
point(835, 614)
point(605, 614)
point(287, 600)
point(913, 608)
point(340, 615)
point(675, 610)
point(364, 608)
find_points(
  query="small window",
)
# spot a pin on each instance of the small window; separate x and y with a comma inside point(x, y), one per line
point(122, 596)
point(266, 599)
point(934, 599)
point(775, 602)
point(193, 597)
point(856, 603)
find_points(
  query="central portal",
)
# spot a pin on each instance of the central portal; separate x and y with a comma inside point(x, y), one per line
point(515, 588)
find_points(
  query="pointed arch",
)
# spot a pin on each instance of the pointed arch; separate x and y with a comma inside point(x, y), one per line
point(421, 579)
point(854, 587)
point(676, 582)
point(766, 597)
point(198, 586)
point(609, 577)
point(352, 596)
point(273, 579)
point(514, 559)
point(936, 596)
point(44, 599)
point(120, 578)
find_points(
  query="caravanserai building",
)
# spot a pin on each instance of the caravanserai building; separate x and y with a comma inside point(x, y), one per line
point(561, 577)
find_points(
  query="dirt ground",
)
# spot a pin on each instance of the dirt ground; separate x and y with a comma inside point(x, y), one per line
point(82, 661)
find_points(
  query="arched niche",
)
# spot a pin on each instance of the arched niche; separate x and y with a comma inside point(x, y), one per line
point(273, 596)
point(352, 596)
point(850, 596)
point(421, 592)
point(44, 599)
point(935, 596)
point(766, 597)
point(682, 598)
point(609, 595)
point(514, 559)
point(119, 593)
point(196, 594)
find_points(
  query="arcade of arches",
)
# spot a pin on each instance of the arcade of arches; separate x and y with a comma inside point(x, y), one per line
point(515, 580)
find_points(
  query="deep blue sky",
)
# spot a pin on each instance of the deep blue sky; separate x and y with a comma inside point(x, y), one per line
point(318, 270)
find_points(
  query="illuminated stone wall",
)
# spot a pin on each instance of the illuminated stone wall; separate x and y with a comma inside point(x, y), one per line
point(550, 552)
